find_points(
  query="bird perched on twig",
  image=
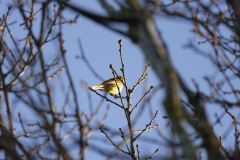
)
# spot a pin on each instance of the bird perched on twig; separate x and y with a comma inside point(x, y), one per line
point(109, 86)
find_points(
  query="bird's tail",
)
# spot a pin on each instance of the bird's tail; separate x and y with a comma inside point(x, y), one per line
point(97, 87)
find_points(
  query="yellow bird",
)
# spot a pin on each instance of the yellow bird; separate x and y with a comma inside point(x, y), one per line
point(109, 86)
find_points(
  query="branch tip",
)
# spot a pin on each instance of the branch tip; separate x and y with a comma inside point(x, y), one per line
point(120, 41)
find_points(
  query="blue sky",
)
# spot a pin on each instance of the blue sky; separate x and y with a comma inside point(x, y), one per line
point(101, 49)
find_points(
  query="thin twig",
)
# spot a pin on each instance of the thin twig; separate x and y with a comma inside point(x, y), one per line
point(141, 99)
point(147, 126)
